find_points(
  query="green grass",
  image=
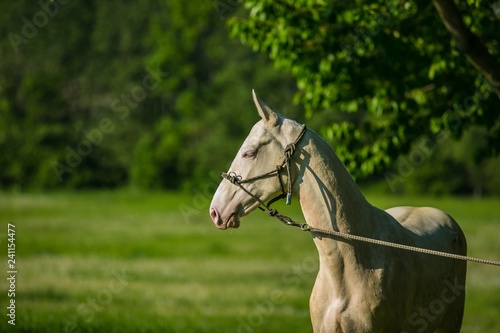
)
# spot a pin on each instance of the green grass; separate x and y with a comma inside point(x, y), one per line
point(153, 262)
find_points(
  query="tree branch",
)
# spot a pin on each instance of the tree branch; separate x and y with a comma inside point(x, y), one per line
point(468, 43)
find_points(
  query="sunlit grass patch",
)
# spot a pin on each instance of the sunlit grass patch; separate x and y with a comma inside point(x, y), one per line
point(131, 262)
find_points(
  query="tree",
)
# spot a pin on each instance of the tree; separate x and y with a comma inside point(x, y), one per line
point(208, 96)
point(107, 94)
point(383, 75)
point(468, 43)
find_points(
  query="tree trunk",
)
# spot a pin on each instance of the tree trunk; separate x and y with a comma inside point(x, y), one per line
point(469, 44)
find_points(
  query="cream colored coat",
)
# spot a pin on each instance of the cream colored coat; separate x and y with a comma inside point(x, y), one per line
point(360, 287)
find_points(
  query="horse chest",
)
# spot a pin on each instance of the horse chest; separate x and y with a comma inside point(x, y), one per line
point(339, 306)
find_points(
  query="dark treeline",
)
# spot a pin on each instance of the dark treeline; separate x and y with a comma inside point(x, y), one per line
point(104, 94)
point(153, 94)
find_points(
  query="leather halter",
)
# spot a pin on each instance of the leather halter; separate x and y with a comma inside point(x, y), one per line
point(289, 151)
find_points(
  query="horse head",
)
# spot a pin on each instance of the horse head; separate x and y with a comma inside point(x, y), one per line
point(258, 161)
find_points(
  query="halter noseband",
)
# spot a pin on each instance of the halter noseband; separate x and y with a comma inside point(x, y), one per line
point(289, 151)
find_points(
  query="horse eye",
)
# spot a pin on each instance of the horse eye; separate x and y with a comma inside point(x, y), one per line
point(250, 154)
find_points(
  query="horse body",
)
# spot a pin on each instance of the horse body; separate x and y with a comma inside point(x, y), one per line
point(368, 288)
point(360, 287)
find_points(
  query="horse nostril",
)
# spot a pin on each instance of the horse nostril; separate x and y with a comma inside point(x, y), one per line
point(214, 215)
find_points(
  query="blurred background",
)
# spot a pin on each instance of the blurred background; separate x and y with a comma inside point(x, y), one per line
point(93, 61)
point(174, 91)
point(116, 119)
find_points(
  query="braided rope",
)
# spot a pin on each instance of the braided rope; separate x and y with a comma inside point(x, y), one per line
point(237, 180)
point(305, 227)
point(403, 247)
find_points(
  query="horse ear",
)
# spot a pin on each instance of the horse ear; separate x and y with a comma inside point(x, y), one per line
point(265, 111)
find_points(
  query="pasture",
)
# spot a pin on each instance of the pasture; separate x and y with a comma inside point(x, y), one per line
point(129, 261)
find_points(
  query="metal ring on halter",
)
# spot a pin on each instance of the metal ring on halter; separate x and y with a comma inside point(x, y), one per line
point(232, 177)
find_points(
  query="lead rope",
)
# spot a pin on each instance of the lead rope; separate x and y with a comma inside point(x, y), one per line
point(305, 227)
point(289, 151)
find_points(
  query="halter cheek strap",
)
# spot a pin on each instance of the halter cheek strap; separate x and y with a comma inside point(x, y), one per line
point(289, 152)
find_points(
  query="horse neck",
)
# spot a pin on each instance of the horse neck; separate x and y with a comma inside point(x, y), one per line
point(329, 197)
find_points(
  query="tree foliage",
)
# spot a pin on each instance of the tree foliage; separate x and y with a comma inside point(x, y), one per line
point(106, 94)
point(380, 74)
point(155, 94)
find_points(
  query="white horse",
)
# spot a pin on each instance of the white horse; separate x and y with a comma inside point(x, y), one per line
point(360, 287)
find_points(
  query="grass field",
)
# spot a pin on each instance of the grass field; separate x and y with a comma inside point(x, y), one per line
point(136, 262)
